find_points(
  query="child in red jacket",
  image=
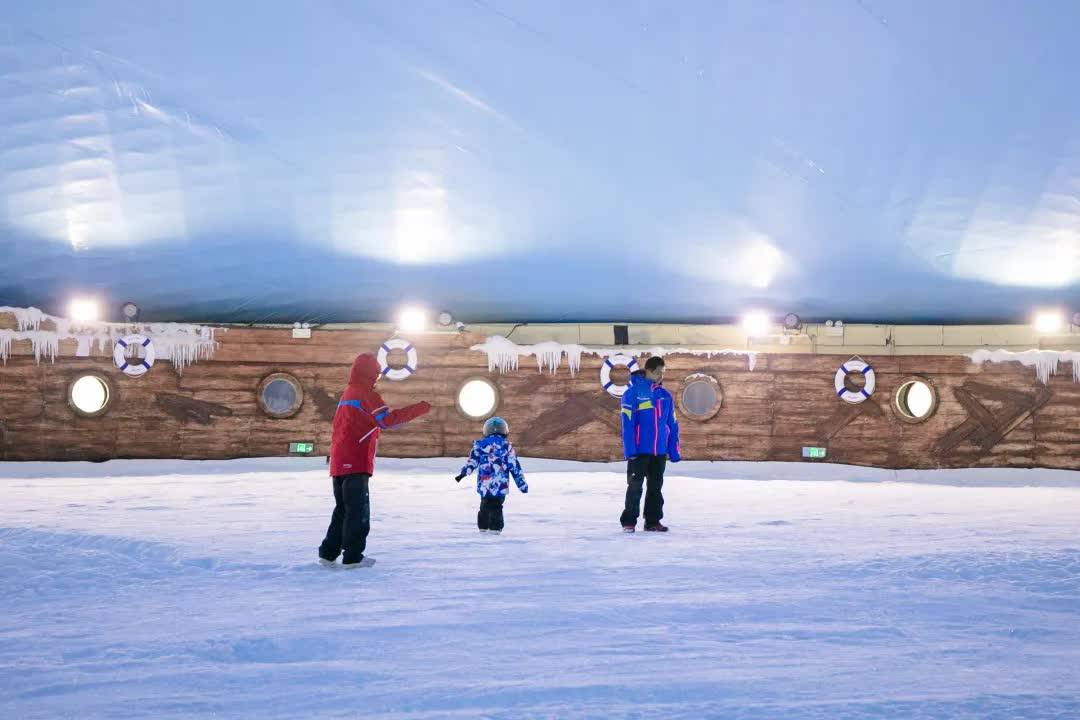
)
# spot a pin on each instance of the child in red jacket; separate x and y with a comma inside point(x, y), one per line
point(361, 415)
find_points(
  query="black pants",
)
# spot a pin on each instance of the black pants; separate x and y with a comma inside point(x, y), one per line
point(351, 521)
point(490, 516)
point(638, 470)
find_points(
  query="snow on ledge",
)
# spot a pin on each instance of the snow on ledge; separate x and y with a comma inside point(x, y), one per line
point(503, 354)
point(180, 344)
point(1045, 362)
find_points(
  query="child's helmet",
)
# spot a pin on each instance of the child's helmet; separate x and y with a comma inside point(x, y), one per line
point(496, 426)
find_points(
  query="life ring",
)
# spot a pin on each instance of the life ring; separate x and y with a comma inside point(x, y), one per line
point(410, 360)
point(605, 373)
point(136, 367)
point(855, 365)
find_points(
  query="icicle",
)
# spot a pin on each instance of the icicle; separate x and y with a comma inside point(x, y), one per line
point(1045, 362)
point(503, 354)
point(6, 338)
point(180, 344)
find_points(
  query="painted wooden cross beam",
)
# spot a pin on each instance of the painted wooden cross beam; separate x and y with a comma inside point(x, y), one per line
point(844, 416)
point(184, 408)
point(982, 426)
point(576, 412)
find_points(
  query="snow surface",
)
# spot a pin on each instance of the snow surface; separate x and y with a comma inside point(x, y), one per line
point(171, 589)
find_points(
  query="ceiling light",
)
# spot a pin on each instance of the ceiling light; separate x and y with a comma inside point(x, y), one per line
point(756, 323)
point(1049, 321)
point(83, 310)
point(412, 320)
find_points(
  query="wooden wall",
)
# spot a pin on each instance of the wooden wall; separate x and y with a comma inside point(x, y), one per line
point(210, 410)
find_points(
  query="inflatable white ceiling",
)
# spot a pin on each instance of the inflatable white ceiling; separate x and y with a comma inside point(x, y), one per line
point(557, 160)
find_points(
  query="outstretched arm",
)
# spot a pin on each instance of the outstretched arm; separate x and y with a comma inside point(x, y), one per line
point(388, 419)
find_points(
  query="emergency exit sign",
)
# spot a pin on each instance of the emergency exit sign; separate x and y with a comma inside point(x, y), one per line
point(813, 453)
point(301, 448)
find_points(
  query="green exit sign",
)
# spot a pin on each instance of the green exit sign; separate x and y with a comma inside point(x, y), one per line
point(813, 453)
point(301, 448)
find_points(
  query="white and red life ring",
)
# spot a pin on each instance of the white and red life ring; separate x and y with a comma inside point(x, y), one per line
point(855, 365)
point(410, 359)
point(135, 367)
point(605, 373)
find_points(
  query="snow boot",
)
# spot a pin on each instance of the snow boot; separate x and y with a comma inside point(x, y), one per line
point(363, 562)
point(628, 528)
point(656, 528)
point(494, 532)
point(327, 563)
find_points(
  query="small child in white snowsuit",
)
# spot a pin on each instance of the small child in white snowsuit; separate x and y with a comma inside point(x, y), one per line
point(494, 459)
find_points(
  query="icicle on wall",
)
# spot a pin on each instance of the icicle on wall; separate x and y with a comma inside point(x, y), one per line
point(1045, 362)
point(180, 344)
point(503, 354)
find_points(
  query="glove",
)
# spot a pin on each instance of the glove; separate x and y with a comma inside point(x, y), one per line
point(459, 478)
point(425, 407)
point(525, 491)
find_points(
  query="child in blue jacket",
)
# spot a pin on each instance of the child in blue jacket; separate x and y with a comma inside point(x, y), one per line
point(495, 461)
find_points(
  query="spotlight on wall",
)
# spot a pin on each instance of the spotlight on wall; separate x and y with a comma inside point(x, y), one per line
point(756, 323)
point(792, 321)
point(412, 319)
point(1048, 322)
point(129, 311)
point(83, 310)
point(446, 319)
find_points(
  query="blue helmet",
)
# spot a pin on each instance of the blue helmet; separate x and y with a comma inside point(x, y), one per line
point(496, 426)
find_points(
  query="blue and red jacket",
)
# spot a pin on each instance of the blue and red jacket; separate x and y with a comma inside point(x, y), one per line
point(649, 426)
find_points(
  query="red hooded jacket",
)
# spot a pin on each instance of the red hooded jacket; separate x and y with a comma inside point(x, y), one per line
point(361, 415)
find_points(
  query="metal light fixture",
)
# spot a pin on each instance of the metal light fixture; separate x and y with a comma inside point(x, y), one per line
point(792, 321)
point(445, 319)
point(1076, 319)
point(130, 311)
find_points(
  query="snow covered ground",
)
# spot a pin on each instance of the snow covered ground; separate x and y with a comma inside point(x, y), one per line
point(184, 589)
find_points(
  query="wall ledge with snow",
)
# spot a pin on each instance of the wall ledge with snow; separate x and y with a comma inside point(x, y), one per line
point(1045, 362)
point(503, 354)
point(180, 344)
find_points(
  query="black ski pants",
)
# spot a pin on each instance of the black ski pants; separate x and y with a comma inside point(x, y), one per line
point(490, 516)
point(350, 521)
point(648, 470)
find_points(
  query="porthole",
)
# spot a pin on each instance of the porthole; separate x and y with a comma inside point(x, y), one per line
point(90, 395)
point(701, 397)
point(280, 395)
point(916, 399)
point(478, 398)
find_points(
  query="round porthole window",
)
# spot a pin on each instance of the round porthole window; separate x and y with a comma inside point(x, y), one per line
point(478, 398)
point(701, 397)
point(916, 399)
point(89, 395)
point(280, 395)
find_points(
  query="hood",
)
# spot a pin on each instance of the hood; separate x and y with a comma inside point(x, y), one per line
point(491, 440)
point(365, 369)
